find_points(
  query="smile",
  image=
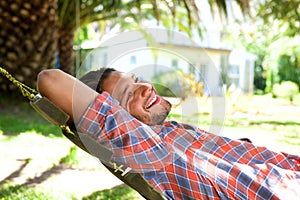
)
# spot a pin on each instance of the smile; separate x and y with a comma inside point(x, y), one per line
point(155, 100)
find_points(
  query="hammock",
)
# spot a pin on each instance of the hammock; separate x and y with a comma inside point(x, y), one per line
point(58, 117)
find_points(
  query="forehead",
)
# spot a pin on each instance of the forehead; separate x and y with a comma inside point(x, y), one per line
point(116, 80)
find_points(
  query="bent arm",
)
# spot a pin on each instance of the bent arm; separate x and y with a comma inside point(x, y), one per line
point(65, 91)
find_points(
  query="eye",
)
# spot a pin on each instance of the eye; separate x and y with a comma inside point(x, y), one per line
point(135, 78)
point(128, 97)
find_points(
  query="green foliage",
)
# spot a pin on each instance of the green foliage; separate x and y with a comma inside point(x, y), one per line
point(163, 90)
point(286, 89)
point(71, 158)
point(282, 61)
point(170, 84)
point(259, 79)
point(272, 34)
point(85, 33)
point(75, 14)
point(285, 11)
point(176, 84)
point(18, 192)
point(130, 14)
point(296, 99)
point(288, 69)
point(122, 192)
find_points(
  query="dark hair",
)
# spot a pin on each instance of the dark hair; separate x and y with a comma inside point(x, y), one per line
point(94, 79)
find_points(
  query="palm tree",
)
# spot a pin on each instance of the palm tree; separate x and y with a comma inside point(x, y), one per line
point(35, 33)
point(27, 38)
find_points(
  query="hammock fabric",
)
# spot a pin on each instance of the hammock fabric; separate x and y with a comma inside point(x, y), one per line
point(58, 117)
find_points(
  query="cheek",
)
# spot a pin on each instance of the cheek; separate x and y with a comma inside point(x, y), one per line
point(163, 107)
point(140, 114)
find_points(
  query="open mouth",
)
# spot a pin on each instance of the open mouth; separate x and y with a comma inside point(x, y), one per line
point(154, 100)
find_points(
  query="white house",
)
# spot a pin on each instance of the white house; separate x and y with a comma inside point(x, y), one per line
point(241, 70)
point(157, 50)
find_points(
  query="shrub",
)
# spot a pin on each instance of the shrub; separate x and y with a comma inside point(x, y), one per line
point(297, 99)
point(287, 89)
point(176, 84)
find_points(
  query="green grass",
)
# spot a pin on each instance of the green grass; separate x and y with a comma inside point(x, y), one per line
point(71, 158)
point(121, 192)
point(10, 191)
point(17, 116)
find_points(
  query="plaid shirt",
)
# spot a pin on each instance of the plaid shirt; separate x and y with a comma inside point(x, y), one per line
point(184, 162)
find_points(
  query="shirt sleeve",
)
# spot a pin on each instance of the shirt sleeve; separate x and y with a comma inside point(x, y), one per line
point(133, 143)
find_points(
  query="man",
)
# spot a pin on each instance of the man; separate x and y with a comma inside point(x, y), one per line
point(138, 97)
point(181, 161)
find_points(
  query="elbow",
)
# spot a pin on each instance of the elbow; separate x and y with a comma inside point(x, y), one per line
point(57, 86)
point(46, 80)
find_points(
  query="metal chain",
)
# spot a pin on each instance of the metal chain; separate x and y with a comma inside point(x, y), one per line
point(27, 92)
point(66, 128)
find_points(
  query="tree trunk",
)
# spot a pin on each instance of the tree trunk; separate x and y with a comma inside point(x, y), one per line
point(28, 38)
point(65, 49)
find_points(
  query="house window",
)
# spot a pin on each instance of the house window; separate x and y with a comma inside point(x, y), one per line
point(234, 74)
point(104, 59)
point(203, 70)
point(191, 69)
point(234, 70)
point(174, 63)
point(224, 68)
point(132, 60)
point(247, 75)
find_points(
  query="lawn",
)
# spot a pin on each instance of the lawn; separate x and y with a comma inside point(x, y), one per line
point(274, 123)
point(37, 162)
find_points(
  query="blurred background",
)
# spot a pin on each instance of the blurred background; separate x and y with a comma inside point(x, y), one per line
point(232, 64)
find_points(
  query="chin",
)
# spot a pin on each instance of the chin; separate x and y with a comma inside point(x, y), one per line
point(158, 118)
point(162, 118)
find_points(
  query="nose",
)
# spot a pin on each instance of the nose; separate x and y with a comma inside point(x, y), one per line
point(144, 89)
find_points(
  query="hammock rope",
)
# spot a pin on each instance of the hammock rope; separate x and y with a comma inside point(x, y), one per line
point(26, 91)
point(29, 93)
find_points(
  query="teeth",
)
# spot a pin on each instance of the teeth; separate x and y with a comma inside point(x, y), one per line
point(152, 101)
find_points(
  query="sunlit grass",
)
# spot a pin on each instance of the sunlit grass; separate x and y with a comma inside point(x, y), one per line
point(10, 191)
point(22, 118)
point(121, 192)
point(270, 121)
point(71, 158)
point(24, 134)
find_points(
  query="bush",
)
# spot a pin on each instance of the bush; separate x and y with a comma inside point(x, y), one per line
point(297, 99)
point(170, 84)
point(163, 90)
point(287, 89)
point(176, 84)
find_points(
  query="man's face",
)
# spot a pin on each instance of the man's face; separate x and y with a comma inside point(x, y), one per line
point(139, 98)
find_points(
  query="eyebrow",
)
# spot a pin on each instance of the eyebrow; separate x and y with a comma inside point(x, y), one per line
point(123, 93)
point(135, 79)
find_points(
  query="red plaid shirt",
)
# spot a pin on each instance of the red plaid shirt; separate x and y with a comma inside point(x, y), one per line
point(184, 162)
